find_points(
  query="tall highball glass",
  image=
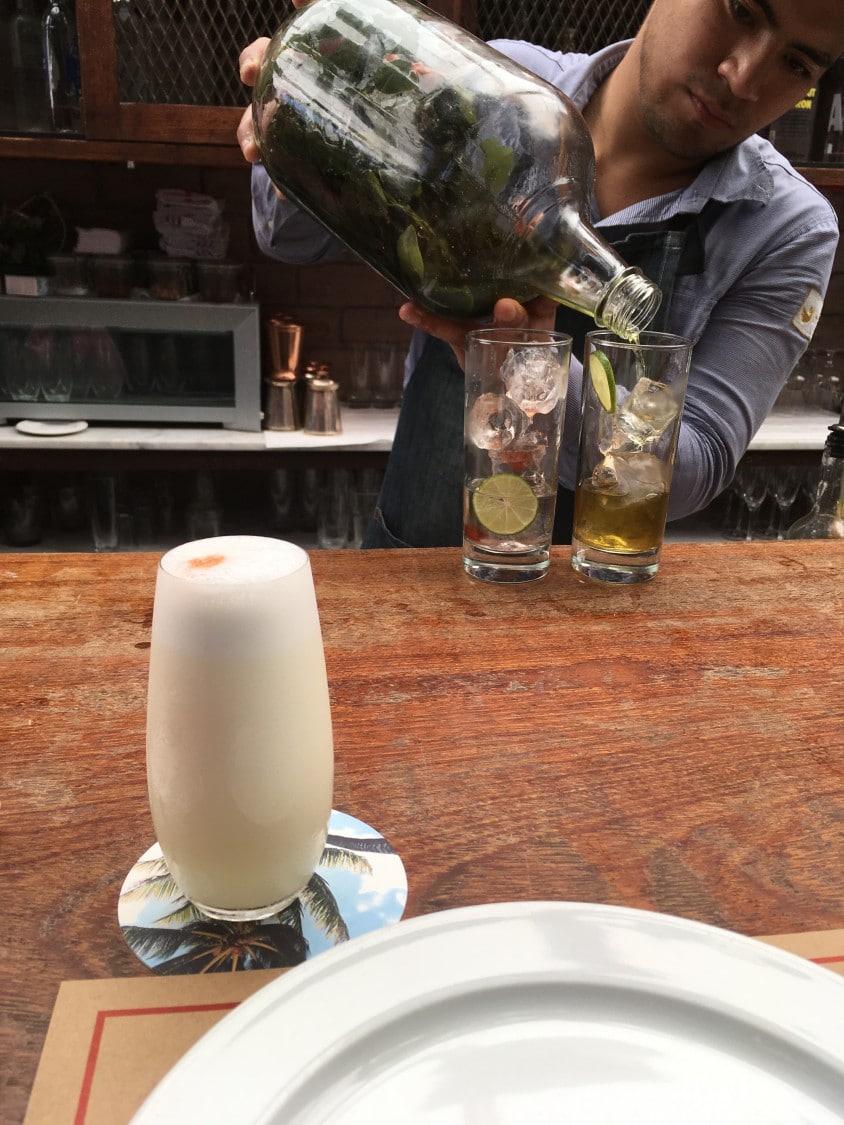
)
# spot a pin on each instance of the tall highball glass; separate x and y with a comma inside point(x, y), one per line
point(240, 754)
point(516, 383)
point(633, 395)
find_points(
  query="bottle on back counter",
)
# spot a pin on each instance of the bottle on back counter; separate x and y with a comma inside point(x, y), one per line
point(61, 62)
point(826, 519)
point(32, 113)
point(457, 174)
point(829, 127)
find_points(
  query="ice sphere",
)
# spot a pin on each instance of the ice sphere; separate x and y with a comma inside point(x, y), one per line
point(646, 412)
point(494, 422)
point(532, 379)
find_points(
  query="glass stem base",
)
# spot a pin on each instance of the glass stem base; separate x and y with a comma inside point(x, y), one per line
point(613, 566)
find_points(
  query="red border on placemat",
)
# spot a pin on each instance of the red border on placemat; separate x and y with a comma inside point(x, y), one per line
point(104, 1014)
point(96, 1039)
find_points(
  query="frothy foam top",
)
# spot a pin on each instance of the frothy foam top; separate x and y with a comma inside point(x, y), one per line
point(234, 560)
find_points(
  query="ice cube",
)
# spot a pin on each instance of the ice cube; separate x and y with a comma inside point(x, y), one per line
point(641, 474)
point(523, 456)
point(494, 421)
point(646, 412)
point(605, 478)
point(532, 379)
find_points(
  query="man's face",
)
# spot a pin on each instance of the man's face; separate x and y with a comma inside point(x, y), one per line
point(714, 71)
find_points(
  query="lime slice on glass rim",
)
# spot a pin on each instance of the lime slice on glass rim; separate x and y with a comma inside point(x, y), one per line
point(603, 380)
point(505, 504)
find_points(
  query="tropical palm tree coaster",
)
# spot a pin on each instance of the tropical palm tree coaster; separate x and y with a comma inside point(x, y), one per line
point(359, 886)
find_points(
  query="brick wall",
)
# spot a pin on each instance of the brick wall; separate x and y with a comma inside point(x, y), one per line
point(339, 303)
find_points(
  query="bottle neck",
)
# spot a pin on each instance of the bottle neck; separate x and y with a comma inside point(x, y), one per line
point(581, 269)
point(829, 499)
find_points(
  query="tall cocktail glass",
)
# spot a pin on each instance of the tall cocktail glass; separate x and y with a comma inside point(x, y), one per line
point(633, 394)
point(239, 743)
point(516, 382)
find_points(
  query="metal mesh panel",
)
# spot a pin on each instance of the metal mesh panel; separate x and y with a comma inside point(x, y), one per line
point(185, 51)
point(573, 27)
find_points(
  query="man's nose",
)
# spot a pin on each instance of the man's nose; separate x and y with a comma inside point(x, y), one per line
point(746, 68)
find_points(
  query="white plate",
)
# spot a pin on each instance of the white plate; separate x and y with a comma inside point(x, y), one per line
point(39, 428)
point(524, 1013)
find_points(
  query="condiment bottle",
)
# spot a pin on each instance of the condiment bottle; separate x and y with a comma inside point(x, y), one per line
point(456, 173)
point(826, 519)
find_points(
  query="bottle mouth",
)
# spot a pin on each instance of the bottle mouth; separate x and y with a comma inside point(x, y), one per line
point(630, 305)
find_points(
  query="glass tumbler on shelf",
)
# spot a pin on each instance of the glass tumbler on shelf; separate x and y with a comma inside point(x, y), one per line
point(516, 383)
point(632, 402)
point(71, 275)
point(114, 276)
point(240, 754)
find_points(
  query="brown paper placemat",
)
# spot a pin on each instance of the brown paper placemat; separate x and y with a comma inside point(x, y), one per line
point(111, 1041)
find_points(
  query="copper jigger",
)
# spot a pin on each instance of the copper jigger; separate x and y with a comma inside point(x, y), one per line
point(281, 405)
point(284, 339)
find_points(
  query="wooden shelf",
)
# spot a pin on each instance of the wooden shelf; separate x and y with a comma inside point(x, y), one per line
point(826, 176)
point(120, 152)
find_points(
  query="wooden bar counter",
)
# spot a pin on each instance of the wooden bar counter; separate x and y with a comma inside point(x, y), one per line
point(675, 746)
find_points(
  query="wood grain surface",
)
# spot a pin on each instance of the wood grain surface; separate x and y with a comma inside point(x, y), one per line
point(675, 746)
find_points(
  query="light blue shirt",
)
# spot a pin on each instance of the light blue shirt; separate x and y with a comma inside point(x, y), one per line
point(750, 313)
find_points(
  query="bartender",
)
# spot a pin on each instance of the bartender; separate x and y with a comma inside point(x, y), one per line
point(740, 244)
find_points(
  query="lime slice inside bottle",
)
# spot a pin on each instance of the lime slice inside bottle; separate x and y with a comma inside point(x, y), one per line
point(603, 380)
point(505, 504)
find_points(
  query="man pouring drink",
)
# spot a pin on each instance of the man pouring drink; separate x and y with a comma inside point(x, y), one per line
point(739, 243)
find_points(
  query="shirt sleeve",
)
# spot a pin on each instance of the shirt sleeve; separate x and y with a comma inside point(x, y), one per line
point(747, 341)
point(285, 232)
point(754, 334)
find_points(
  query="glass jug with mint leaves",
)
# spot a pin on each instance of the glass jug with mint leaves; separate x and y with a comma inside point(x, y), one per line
point(456, 173)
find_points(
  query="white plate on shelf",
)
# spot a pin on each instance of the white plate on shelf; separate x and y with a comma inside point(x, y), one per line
point(525, 1013)
point(38, 427)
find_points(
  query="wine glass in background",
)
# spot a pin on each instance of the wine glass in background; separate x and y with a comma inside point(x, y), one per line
point(753, 488)
point(21, 375)
point(735, 511)
point(49, 360)
point(99, 371)
point(785, 485)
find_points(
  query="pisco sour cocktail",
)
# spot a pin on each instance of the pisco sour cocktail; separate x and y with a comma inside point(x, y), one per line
point(239, 741)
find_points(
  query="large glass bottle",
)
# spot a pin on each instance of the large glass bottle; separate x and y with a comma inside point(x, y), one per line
point(457, 174)
point(826, 519)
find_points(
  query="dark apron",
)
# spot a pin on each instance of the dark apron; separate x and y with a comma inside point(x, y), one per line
point(420, 504)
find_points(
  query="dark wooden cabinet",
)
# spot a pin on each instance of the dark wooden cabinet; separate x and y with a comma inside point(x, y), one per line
point(161, 86)
point(160, 83)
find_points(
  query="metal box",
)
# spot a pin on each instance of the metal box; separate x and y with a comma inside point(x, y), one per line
point(130, 361)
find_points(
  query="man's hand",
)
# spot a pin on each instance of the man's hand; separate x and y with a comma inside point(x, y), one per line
point(538, 313)
point(249, 64)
